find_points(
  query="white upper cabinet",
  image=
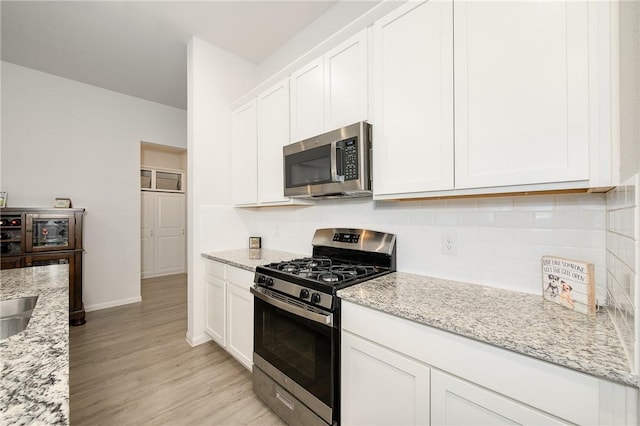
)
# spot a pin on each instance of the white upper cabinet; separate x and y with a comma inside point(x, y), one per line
point(521, 92)
point(244, 156)
point(480, 97)
point(413, 86)
point(307, 101)
point(331, 91)
point(346, 83)
point(273, 134)
point(260, 130)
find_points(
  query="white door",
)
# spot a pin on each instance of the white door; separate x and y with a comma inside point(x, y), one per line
point(381, 387)
point(162, 234)
point(346, 82)
point(307, 101)
point(146, 234)
point(458, 402)
point(521, 92)
point(413, 92)
point(170, 230)
point(273, 134)
point(244, 155)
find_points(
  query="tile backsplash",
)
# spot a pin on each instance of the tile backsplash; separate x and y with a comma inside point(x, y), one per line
point(500, 240)
point(623, 264)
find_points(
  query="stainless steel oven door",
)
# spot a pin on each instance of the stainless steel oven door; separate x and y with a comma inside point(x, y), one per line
point(298, 349)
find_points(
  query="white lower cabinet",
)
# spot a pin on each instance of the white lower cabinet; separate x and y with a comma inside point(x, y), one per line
point(395, 371)
point(215, 307)
point(382, 387)
point(240, 316)
point(229, 309)
point(457, 402)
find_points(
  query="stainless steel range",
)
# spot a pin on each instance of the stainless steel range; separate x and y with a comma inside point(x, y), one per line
point(296, 356)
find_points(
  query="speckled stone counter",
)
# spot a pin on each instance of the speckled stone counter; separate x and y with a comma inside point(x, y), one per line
point(248, 259)
point(34, 388)
point(519, 322)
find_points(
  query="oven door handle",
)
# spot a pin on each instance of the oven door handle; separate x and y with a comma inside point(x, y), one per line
point(324, 319)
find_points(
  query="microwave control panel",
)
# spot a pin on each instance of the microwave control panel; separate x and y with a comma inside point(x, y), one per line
point(350, 162)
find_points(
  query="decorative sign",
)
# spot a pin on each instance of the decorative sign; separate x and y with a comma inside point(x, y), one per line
point(569, 283)
point(62, 203)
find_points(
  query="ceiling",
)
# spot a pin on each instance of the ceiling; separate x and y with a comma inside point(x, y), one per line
point(139, 47)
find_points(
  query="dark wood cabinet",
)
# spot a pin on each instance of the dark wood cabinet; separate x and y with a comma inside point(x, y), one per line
point(37, 237)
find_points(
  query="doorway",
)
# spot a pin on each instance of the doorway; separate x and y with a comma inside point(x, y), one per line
point(163, 241)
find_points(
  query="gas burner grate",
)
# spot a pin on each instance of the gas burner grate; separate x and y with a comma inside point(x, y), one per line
point(325, 270)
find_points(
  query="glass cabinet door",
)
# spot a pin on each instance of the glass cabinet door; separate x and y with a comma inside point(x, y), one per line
point(169, 181)
point(145, 179)
point(49, 232)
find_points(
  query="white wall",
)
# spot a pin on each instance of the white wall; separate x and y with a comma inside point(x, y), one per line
point(61, 138)
point(215, 79)
point(629, 56)
point(332, 21)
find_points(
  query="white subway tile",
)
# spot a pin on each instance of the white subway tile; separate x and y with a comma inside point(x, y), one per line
point(513, 220)
point(580, 202)
point(446, 219)
point(462, 204)
point(534, 203)
point(495, 204)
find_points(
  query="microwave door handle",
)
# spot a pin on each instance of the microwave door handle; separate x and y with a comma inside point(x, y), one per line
point(337, 174)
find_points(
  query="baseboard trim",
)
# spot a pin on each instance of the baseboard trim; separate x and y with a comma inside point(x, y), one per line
point(197, 340)
point(112, 304)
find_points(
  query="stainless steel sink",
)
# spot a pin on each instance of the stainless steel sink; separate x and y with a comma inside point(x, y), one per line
point(12, 325)
point(20, 306)
point(15, 315)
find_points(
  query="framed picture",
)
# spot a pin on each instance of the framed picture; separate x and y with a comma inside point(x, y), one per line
point(3, 199)
point(62, 203)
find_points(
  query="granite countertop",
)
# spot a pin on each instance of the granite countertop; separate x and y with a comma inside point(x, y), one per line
point(248, 259)
point(520, 322)
point(34, 388)
point(516, 321)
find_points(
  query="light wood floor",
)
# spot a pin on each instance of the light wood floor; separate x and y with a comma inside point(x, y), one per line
point(131, 365)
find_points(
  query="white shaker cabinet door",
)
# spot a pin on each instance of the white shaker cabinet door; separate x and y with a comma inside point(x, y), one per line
point(215, 302)
point(307, 101)
point(244, 155)
point(273, 134)
point(458, 402)
point(346, 82)
point(240, 314)
point(380, 386)
point(413, 94)
point(521, 92)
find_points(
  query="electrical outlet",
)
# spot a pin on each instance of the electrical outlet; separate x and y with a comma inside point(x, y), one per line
point(449, 243)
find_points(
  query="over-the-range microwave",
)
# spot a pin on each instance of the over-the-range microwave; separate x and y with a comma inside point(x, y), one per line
point(331, 165)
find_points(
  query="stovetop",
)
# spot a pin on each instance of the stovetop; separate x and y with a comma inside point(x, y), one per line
point(341, 257)
point(324, 271)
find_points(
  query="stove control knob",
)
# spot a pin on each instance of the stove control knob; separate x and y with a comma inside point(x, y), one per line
point(315, 298)
point(304, 293)
point(265, 281)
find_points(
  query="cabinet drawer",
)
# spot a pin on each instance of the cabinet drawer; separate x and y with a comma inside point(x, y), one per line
point(240, 277)
point(215, 269)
